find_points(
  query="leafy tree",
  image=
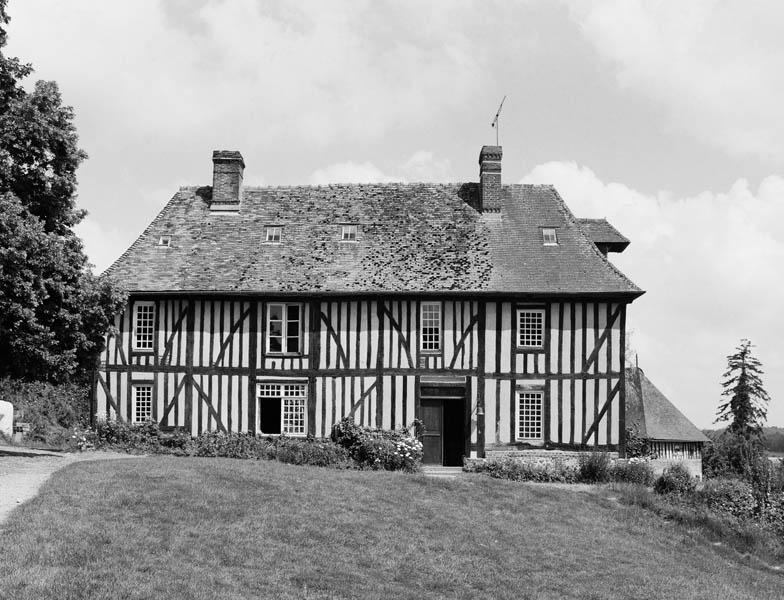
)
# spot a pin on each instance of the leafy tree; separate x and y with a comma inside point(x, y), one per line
point(746, 406)
point(53, 311)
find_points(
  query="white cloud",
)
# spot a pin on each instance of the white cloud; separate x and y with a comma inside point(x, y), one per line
point(350, 172)
point(103, 244)
point(425, 166)
point(715, 67)
point(711, 268)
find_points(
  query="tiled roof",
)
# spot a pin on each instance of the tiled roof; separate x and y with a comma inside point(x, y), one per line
point(603, 233)
point(410, 238)
point(655, 416)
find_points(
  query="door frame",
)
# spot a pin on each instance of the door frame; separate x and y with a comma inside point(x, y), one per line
point(462, 392)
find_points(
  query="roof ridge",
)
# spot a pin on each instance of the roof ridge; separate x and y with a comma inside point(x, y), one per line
point(570, 215)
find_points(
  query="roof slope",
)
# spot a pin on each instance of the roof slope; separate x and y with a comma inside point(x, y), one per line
point(656, 417)
point(601, 231)
point(410, 238)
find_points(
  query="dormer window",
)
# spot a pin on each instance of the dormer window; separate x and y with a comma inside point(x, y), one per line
point(272, 235)
point(348, 233)
point(549, 238)
point(164, 241)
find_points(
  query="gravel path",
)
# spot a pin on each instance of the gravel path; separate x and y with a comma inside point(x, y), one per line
point(21, 476)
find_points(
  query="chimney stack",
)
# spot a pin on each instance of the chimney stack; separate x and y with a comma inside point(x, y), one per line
point(490, 179)
point(227, 171)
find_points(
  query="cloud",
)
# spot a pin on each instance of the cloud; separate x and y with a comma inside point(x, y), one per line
point(711, 266)
point(350, 172)
point(422, 166)
point(714, 67)
point(103, 244)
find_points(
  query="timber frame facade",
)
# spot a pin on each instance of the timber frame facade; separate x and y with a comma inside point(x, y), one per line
point(505, 369)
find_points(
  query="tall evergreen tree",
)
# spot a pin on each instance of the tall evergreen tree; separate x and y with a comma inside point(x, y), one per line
point(746, 407)
point(53, 311)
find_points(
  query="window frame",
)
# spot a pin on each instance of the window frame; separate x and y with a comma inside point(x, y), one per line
point(422, 342)
point(135, 346)
point(348, 228)
point(536, 392)
point(518, 329)
point(284, 329)
point(281, 395)
point(271, 229)
point(135, 388)
point(545, 241)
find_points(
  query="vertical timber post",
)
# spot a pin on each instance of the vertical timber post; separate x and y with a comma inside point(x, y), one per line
point(314, 329)
point(189, 338)
point(622, 390)
point(480, 381)
point(253, 359)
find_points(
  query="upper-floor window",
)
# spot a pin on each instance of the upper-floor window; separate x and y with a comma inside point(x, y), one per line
point(348, 233)
point(549, 237)
point(530, 327)
point(430, 320)
point(284, 328)
point(529, 415)
point(143, 325)
point(142, 402)
point(272, 234)
point(282, 408)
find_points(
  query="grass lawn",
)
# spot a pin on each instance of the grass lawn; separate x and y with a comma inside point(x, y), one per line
point(167, 527)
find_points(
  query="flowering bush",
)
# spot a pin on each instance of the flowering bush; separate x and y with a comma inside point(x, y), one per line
point(378, 449)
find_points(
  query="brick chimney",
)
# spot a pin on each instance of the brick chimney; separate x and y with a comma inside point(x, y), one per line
point(490, 179)
point(227, 171)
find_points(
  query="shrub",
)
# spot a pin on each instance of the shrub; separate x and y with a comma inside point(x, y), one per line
point(636, 445)
point(594, 467)
point(516, 469)
point(632, 471)
point(676, 479)
point(52, 410)
point(316, 453)
point(728, 496)
point(376, 448)
point(128, 437)
point(730, 456)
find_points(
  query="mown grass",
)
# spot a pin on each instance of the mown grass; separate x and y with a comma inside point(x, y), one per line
point(221, 528)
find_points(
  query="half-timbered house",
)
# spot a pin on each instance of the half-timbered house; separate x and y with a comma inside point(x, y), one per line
point(487, 311)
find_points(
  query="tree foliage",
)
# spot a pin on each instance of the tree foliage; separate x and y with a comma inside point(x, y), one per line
point(53, 312)
point(747, 401)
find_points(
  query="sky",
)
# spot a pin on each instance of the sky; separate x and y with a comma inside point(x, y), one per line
point(664, 117)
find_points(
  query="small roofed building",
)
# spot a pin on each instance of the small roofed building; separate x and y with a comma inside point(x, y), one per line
point(671, 436)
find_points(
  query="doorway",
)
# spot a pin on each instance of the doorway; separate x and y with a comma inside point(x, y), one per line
point(443, 414)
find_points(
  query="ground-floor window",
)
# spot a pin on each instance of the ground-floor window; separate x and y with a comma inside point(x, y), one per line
point(142, 402)
point(529, 415)
point(282, 408)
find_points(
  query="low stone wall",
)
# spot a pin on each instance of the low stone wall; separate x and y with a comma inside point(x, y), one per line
point(693, 465)
point(536, 456)
point(572, 458)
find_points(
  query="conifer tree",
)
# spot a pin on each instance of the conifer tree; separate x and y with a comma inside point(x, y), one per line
point(746, 406)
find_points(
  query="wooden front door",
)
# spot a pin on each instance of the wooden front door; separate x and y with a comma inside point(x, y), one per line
point(443, 414)
point(432, 413)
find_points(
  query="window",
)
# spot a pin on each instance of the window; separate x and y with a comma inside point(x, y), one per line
point(143, 325)
point(348, 233)
point(282, 408)
point(272, 235)
point(548, 236)
point(530, 328)
point(283, 328)
point(431, 326)
point(529, 415)
point(142, 403)
point(164, 241)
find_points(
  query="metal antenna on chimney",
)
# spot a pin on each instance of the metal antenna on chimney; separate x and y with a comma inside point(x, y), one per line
point(495, 124)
